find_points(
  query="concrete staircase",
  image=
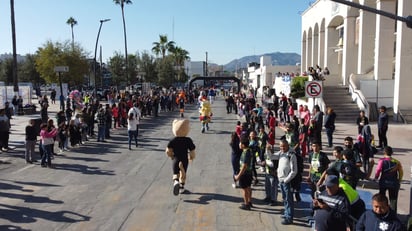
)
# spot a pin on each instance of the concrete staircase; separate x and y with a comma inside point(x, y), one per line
point(339, 99)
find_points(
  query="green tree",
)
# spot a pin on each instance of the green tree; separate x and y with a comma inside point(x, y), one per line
point(163, 46)
point(132, 68)
point(180, 55)
point(298, 87)
point(147, 67)
point(116, 65)
point(72, 22)
point(166, 72)
point(61, 54)
point(6, 74)
point(28, 72)
point(121, 3)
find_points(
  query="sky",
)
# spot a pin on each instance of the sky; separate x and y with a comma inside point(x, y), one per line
point(223, 29)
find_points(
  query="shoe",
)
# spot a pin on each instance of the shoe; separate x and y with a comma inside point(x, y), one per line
point(286, 222)
point(267, 199)
point(297, 197)
point(245, 207)
point(33, 160)
point(29, 162)
point(182, 190)
point(176, 187)
point(255, 182)
point(250, 204)
point(43, 165)
point(130, 148)
point(272, 203)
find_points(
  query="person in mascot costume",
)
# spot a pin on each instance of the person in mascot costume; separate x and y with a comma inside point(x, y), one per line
point(181, 100)
point(205, 114)
point(180, 149)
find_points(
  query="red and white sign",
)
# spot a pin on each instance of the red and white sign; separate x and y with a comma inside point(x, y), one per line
point(313, 89)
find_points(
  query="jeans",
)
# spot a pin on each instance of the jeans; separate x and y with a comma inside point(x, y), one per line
point(393, 196)
point(101, 132)
point(271, 187)
point(329, 134)
point(47, 152)
point(29, 153)
point(287, 197)
point(235, 164)
point(132, 135)
point(383, 140)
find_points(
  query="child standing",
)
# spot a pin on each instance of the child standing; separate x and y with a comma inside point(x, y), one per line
point(245, 174)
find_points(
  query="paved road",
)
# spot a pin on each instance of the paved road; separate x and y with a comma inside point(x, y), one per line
point(104, 186)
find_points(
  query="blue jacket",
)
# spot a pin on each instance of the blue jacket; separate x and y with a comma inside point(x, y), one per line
point(370, 222)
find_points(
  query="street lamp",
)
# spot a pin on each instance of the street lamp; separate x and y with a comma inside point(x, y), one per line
point(95, 53)
point(407, 20)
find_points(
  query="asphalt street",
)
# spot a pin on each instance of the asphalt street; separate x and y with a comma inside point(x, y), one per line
point(104, 186)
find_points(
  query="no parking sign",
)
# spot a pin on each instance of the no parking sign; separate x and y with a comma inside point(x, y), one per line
point(313, 89)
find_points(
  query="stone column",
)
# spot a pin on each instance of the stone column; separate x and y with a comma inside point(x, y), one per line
point(309, 47)
point(350, 51)
point(315, 48)
point(403, 67)
point(331, 56)
point(322, 48)
point(366, 45)
point(384, 42)
point(303, 62)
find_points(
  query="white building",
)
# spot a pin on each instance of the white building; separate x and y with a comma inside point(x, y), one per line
point(263, 75)
point(370, 53)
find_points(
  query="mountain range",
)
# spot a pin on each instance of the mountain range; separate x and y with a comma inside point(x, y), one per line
point(278, 59)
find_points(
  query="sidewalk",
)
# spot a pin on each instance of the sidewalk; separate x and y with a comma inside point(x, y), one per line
point(17, 133)
point(399, 136)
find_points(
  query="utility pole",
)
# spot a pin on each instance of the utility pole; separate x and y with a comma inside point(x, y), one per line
point(13, 29)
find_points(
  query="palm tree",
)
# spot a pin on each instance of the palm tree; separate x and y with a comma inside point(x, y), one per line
point(180, 55)
point(72, 22)
point(163, 46)
point(121, 3)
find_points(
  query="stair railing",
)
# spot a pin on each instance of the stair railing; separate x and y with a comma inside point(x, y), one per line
point(401, 116)
point(357, 95)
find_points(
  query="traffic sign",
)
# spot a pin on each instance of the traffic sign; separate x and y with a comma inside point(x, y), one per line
point(313, 89)
point(61, 69)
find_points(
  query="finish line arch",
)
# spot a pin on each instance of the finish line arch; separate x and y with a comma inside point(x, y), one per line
point(215, 78)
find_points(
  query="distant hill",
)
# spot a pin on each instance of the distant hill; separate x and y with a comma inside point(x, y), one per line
point(278, 58)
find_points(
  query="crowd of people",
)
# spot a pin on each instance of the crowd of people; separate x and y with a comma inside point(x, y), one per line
point(81, 118)
point(336, 203)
